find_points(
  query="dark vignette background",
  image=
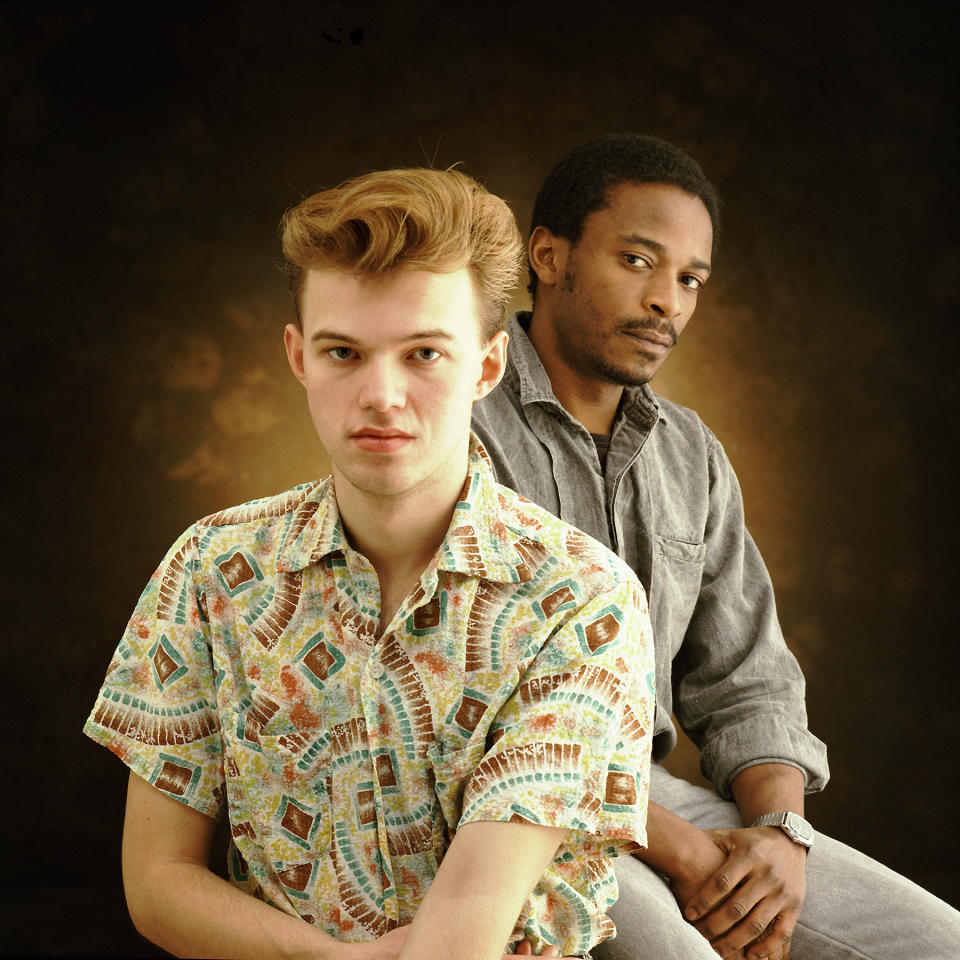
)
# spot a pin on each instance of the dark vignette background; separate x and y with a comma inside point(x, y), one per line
point(148, 151)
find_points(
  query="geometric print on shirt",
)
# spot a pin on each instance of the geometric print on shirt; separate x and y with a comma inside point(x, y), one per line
point(514, 683)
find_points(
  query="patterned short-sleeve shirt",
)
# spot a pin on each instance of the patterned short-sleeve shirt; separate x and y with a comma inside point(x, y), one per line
point(514, 683)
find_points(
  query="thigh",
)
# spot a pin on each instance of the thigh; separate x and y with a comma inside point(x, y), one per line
point(701, 807)
point(648, 920)
point(854, 909)
point(858, 909)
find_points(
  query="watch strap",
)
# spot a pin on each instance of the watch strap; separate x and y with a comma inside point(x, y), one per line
point(792, 824)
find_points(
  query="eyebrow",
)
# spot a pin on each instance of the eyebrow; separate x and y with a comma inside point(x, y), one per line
point(346, 338)
point(658, 247)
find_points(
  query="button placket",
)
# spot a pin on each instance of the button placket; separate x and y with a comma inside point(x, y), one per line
point(371, 692)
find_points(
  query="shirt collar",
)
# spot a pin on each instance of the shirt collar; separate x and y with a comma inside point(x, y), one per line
point(532, 384)
point(478, 543)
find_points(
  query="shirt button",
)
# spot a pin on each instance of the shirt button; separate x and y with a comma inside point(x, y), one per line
point(377, 670)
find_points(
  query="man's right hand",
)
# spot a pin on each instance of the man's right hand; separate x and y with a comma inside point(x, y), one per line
point(683, 853)
point(695, 875)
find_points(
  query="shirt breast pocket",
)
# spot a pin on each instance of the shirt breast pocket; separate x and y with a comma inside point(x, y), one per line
point(677, 577)
point(685, 550)
point(279, 797)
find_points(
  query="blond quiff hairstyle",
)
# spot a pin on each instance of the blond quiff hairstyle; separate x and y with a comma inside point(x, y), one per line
point(417, 218)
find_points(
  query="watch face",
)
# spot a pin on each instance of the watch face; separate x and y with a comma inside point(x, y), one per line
point(799, 829)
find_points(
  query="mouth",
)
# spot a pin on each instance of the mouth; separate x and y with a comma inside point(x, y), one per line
point(381, 439)
point(651, 340)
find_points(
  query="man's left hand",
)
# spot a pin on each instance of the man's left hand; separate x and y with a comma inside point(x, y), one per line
point(754, 897)
point(525, 950)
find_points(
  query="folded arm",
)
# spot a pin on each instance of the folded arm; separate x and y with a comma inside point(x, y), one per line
point(743, 888)
point(473, 903)
point(177, 902)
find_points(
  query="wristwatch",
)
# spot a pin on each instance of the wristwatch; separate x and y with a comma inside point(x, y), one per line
point(792, 824)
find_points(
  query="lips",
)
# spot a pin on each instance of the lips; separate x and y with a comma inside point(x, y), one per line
point(652, 338)
point(381, 439)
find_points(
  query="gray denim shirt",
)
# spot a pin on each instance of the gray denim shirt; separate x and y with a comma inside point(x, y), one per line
point(669, 503)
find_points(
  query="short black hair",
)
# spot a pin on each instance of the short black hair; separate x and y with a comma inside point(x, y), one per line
point(581, 182)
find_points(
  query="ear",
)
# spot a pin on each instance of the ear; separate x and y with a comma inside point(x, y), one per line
point(493, 364)
point(293, 341)
point(548, 255)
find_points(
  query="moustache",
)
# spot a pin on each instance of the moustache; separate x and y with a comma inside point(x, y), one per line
point(657, 324)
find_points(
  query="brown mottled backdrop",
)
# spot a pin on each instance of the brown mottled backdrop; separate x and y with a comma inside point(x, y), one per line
point(148, 151)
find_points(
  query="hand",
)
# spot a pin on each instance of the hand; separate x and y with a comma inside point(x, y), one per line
point(525, 950)
point(753, 897)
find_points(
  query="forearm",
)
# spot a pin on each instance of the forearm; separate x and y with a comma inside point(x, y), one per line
point(179, 904)
point(768, 788)
point(190, 912)
point(675, 847)
point(472, 905)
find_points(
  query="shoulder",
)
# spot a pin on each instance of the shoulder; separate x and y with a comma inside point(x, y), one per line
point(266, 509)
point(260, 528)
point(683, 444)
point(682, 424)
point(571, 551)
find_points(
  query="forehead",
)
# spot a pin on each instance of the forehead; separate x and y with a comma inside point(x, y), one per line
point(392, 305)
point(658, 211)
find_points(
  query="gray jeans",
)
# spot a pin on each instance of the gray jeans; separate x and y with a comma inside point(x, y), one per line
point(855, 908)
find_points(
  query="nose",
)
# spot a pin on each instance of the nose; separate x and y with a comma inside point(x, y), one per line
point(384, 386)
point(661, 295)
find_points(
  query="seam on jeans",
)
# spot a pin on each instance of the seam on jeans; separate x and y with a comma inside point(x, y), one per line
point(855, 953)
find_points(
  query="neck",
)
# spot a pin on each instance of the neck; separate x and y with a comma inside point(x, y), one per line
point(398, 535)
point(589, 400)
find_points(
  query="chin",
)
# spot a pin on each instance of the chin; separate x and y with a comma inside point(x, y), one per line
point(623, 377)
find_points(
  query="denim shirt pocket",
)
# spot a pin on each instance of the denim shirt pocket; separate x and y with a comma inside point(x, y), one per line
point(673, 549)
point(676, 580)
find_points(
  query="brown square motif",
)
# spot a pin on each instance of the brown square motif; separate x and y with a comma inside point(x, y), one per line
point(297, 821)
point(621, 789)
point(556, 599)
point(236, 570)
point(602, 631)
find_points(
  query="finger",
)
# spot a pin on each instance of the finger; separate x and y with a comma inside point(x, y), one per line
point(524, 949)
point(550, 952)
point(715, 890)
point(737, 913)
point(767, 943)
point(753, 924)
point(775, 942)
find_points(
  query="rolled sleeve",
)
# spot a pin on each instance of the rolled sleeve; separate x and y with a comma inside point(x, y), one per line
point(740, 692)
point(156, 709)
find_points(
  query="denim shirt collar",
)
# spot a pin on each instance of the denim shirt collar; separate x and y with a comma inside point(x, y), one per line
point(526, 374)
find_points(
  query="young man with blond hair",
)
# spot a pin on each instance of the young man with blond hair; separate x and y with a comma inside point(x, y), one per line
point(425, 703)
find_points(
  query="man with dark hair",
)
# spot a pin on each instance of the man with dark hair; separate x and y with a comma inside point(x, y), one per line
point(621, 242)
